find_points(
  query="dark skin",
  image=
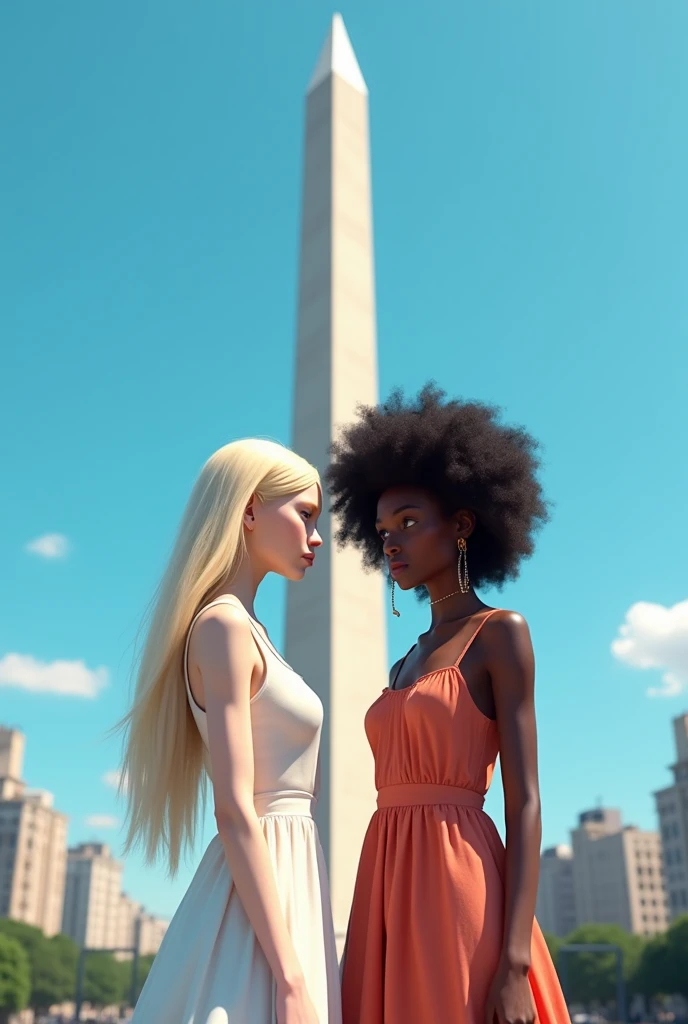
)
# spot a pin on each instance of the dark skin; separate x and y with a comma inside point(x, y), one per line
point(421, 548)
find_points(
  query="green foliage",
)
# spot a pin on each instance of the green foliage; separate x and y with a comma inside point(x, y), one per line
point(103, 980)
point(663, 968)
point(15, 977)
point(554, 944)
point(592, 976)
point(652, 968)
point(677, 941)
point(125, 969)
point(652, 977)
point(145, 964)
point(52, 963)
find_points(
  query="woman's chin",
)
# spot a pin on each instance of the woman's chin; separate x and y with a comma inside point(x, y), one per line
point(295, 574)
point(405, 583)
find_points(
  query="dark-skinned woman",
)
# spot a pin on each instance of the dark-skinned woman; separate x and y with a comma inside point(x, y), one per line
point(442, 929)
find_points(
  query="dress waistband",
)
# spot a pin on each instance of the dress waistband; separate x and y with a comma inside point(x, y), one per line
point(407, 794)
point(286, 801)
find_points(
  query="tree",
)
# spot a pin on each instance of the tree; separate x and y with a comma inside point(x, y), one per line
point(677, 948)
point(554, 944)
point(663, 967)
point(653, 977)
point(52, 963)
point(102, 980)
point(125, 968)
point(591, 977)
point(145, 964)
point(15, 978)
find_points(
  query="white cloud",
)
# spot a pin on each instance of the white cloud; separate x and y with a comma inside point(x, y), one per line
point(112, 779)
point(656, 637)
point(68, 678)
point(101, 821)
point(50, 545)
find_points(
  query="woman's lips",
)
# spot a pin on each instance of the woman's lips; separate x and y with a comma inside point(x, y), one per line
point(396, 567)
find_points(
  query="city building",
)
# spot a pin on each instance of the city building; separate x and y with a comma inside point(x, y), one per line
point(672, 811)
point(556, 901)
point(128, 911)
point(11, 763)
point(618, 875)
point(33, 844)
point(335, 628)
point(150, 931)
point(92, 903)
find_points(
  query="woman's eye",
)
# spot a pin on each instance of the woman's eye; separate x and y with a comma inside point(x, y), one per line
point(306, 514)
point(382, 534)
point(406, 520)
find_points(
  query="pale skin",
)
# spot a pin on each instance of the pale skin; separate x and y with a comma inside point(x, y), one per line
point(420, 545)
point(225, 670)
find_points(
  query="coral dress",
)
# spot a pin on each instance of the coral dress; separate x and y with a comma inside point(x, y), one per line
point(427, 920)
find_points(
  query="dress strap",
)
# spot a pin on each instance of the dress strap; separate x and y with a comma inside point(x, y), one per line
point(401, 665)
point(228, 599)
point(475, 633)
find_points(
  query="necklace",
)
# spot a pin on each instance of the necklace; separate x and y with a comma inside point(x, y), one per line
point(446, 597)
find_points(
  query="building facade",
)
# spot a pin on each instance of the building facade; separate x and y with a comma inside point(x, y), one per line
point(556, 900)
point(33, 845)
point(150, 931)
point(92, 904)
point(127, 916)
point(618, 874)
point(672, 812)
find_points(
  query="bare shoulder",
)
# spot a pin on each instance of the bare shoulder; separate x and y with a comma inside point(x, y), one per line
point(506, 633)
point(220, 626)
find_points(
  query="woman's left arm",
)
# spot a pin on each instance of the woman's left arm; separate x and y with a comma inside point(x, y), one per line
point(512, 669)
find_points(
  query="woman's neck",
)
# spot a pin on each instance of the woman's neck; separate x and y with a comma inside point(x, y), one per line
point(244, 586)
point(453, 609)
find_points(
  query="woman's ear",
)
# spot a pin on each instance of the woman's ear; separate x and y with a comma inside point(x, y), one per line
point(465, 523)
point(249, 517)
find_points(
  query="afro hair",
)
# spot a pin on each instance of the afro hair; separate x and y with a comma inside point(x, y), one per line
point(458, 452)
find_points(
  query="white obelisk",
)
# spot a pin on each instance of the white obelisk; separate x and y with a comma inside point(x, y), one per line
point(335, 631)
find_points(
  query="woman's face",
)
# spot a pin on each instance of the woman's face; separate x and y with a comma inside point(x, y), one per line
point(419, 540)
point(282, 535)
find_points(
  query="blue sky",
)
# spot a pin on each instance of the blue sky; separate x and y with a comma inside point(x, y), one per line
point(529, 171)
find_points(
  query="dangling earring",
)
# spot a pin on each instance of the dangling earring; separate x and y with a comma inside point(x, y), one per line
point(464, 582)
point(394, 608)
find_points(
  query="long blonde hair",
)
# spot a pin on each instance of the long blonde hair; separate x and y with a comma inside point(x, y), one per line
point(163, 767)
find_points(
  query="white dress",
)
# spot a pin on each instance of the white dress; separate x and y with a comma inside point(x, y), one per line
point(210, 968)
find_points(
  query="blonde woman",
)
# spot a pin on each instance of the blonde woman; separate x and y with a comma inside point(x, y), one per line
point(252, 941)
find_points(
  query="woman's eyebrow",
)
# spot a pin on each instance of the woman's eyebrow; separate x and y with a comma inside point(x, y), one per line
point(402, 508)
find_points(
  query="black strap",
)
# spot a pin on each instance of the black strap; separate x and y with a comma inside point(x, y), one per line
point(401, 665)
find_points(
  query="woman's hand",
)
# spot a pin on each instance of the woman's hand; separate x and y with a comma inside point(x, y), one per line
point(510, 1000)
point(294, 1006)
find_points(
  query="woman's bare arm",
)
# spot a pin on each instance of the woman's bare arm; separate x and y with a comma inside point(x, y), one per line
point(512, 669)
point(227, 658)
